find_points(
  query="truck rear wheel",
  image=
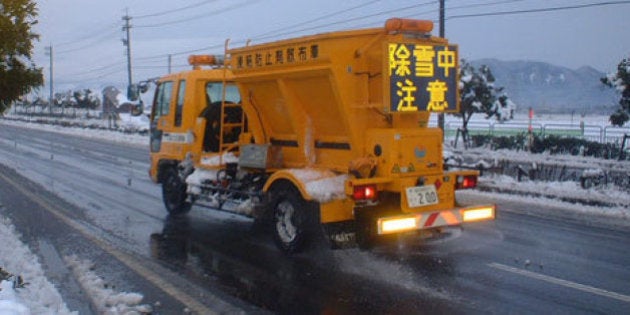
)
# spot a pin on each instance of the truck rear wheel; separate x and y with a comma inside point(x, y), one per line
point(292, 220)
point(174, 192)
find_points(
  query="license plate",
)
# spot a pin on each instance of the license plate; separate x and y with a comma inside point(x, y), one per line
point(419, 196)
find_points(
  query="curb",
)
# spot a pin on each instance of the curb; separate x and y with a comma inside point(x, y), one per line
point(587, 202)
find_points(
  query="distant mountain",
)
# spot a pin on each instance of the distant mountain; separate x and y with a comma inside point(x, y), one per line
point(552, 89)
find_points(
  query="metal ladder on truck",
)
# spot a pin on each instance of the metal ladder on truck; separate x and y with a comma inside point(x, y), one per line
point(232, 125)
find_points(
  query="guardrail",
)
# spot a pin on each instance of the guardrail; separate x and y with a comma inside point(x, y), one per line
point(589, 132)
point(56, 112)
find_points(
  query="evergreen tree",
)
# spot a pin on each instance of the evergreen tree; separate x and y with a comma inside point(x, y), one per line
point(620, 81)
point(479, 95)
point(16, 76)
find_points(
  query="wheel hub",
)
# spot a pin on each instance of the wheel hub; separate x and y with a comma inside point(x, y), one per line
point(287, 231)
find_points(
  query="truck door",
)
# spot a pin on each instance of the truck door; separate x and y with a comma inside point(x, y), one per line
point(160, 114)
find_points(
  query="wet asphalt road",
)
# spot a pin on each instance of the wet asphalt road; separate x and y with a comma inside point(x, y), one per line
point(107, 211)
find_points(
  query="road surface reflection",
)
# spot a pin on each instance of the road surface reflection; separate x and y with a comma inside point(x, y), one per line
point(244, 262)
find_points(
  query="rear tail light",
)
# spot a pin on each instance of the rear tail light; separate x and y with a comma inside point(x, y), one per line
point(466, 181)
point(365, 192)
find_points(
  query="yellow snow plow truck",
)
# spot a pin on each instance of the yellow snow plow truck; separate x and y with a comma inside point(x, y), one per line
point(317, 135)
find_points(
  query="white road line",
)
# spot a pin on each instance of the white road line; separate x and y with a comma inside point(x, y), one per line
point(561, 282)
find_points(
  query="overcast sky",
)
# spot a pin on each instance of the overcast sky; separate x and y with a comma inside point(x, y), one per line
point(88, 51)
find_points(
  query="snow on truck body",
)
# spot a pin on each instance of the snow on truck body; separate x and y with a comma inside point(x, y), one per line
point(326, 129)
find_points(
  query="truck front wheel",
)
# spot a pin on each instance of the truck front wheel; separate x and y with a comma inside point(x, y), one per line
point(174, 192)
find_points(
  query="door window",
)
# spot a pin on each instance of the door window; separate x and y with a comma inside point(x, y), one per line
point(162, 100)
point(181, 91)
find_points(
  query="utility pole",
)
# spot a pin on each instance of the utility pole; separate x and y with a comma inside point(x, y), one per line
point(169, 63)
point(441, 115)
point(49, 52)
point(442, 18)
point(127, 43)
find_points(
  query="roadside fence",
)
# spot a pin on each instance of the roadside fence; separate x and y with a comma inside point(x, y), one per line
point(607, 134)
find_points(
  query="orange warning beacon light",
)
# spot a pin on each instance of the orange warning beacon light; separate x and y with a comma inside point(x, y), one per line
point(205, 60)
point(395, 25)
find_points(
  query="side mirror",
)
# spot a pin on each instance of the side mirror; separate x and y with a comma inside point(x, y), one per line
point(137, 109)
point(143, 86)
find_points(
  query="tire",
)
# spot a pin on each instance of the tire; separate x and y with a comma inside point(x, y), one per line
point(174, 193)
point(292, 221)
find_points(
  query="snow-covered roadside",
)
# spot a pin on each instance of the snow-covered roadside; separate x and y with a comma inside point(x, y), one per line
point(605, 201)
point(24, 288)
point(606, 205)
point(605, 197)
point(106, 300)
point(37, 295)
point(114, 136)
point(489, 156)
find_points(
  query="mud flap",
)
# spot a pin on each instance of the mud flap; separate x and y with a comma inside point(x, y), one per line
point(341, 235)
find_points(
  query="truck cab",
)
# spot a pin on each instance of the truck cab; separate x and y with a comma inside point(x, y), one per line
point(186, 116)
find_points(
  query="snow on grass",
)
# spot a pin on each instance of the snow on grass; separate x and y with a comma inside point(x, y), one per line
point(38, 295)
point(606, 195)
point(489, 157)
point(597, 215)
point(106, 300)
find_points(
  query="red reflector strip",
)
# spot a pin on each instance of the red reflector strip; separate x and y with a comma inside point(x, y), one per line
point(431, 219)
point(437, 219)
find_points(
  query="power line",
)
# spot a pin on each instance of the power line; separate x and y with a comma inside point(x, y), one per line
point(265, 35)
point(259, 37)
point(347, 20)
point(200, 16)
point(83, 78)
point(101, 68)
point(217, 46)
point(90, 44)
point(88, 36)
point(262, 36)
point(569, 7)
point(161, 67)
point(475, 5)
point(323, 17)
point(195, 5)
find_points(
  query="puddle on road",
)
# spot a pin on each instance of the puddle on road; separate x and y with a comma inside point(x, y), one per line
point(245, 263)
